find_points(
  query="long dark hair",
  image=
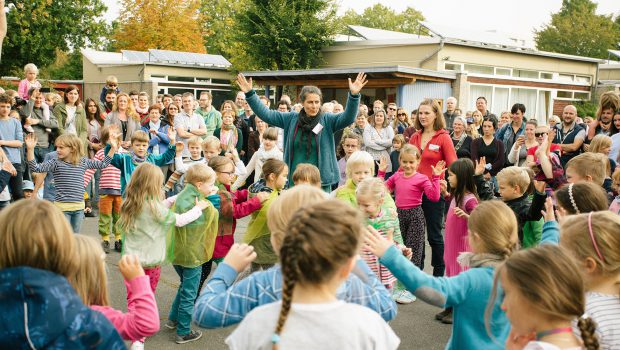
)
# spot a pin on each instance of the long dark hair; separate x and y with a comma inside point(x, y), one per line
point(97, 115)
point(463, 169)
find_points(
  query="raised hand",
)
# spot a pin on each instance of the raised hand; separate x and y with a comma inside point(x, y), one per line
point(180, 147)
point(439, 168)
point(130, 267)
point(246, 85)
point(383, 163)
point(240, 256)
point(172, 135)
point(480, 166)
point(31, 141)
point(548, 213)
point(355, 86)
point(443, 187)
point(375, 243)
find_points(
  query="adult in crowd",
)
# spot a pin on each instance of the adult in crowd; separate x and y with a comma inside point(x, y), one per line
point(481, 105)
point(125, 117)
point(569, 135)
point(187, 123)
point(460, 139)
point(615, 139)
point(43, 122)
point(377, 106)
point(178, 100)
point(363, 108)
point(378, 137)
point(450, 112)
point(283, 106)
point(553, 121)
point(166, 101)
point(95, 121)
point(256, 137)
point(71, 116)
point(491, 148)
point(391, 112)
point(239, 102)
point(475, 124)
point(309, 131)
point(402, 121)
point(603, 125)
point(509, 133)
point(143, 107)
point(519, 151)
point(539, 133)
point(504, 119)
point(435, 143)
point(170, 113)
point(411, 129)
point(109, 98)
point(360, 123)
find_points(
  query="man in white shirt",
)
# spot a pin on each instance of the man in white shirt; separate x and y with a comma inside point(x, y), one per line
point(187, 123)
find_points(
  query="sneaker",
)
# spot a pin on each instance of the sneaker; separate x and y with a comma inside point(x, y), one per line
point(118, 245)
point(443, 314)
point(137, 345)
point(170, 324)
point(447, 319)
point(106, 246)
point(193, 335)
point(406, 297)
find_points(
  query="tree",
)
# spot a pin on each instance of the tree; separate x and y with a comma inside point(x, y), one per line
point(281, 34)
point(382, 17)
point(159, 24)
point(577, 30)
point(67, 66)
point(38, 27)
point(218, 21)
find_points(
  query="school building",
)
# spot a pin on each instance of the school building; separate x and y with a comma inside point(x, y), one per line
point(406, 68)
point(158, 72)
point(609, 73)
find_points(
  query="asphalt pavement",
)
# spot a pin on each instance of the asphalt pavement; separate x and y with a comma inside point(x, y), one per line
point(414, 324)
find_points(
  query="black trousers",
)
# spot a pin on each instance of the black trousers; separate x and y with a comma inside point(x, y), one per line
point(434, 214)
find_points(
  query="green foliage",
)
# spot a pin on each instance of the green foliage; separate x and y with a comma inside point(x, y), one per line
point(585, 108)
point(577, 30)
point(37, 28)
point(382, 17)
point(68, 66)
point(218, 21)
point(281, 34)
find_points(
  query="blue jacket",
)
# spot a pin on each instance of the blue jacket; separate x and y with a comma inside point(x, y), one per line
point(223, 303)
point(161, 140)
point(40, 310)
point(328, 165)
point(467, 293)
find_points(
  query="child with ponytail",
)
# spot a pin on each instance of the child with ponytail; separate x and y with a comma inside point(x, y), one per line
point(543, 293)
point(492, 236)
point(317, 254)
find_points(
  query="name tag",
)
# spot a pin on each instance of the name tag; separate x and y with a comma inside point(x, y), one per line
point(317, 129)
point(433, 147)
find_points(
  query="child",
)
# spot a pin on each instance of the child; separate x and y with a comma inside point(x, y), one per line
point(30, 82)
point(267, 150)
point(615, 204)
point(68, 170)
point(307, 174)
point(513, 183)
point(11, 138)
point(28, 188)
point(370, 194)
point(233, 205)
point(602, 144)
point(212, 147)
point(543, 292)
point(593, 240)
point(127, 162)
point(579, 198)
point(318, 253)
point(350, 143)
point(193, 246)
point(409, 186)
point(91, 284)
point(111, 83)
point(275, 176)
point(109, 198)
point(397, 143)
point(492, 236)
point(194, 144)
point(463, 201)
point(590, 167)
point(223, 303)
point(39, 306)
point(230, 137)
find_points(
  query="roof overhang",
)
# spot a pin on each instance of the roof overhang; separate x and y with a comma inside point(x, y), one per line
point(378, 77)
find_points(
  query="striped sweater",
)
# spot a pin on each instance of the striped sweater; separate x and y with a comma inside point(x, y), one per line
point(110, 176)
point(68, 177)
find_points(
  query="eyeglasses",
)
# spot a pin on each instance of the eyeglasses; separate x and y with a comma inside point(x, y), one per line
point(112, 85)
point(399, 114)
point(391, 109)
point(539, 134)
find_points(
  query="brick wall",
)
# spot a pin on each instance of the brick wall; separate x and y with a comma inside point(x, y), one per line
point(558, 106)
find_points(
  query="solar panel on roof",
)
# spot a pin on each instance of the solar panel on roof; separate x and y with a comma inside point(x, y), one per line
point(139, 56)
point(189, 58)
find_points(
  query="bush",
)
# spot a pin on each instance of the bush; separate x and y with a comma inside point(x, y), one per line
point(586, 108)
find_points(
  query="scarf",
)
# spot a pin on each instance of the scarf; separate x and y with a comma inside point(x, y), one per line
point(142, 111)
point(137, 160)
point(306, 124)
point(473, 260)
point(229, 139)
point(226, 219)
point(461, 140)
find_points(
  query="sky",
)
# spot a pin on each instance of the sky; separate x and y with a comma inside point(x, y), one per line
point(515, 17)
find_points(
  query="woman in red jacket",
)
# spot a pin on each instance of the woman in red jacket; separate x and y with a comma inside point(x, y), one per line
point(436, 144)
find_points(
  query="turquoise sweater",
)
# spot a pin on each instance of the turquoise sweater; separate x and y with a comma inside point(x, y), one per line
point(126, 165)
point(328, 165)
point(468, 293)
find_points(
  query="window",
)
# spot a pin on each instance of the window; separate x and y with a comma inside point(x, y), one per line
point(503, 71)
point(521, 73)
point(542, 112)
point(476, 91)
point(567, 77)
point(472, 68)
point(184, 79)
point(203, 80)
point(544, 75)
point(583, 79)
point(220, 81)
point(158, 76)
point(582, 95)
point(501, 99)
point(453, 66)
point(565, 94)
point(525, 96)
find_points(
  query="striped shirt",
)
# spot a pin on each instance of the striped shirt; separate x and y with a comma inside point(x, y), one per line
point(110, 176)
point(68, 178)
point(604, 309)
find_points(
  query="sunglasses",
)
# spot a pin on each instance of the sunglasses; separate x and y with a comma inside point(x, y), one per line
point(539, 134)
point(112, 85)
point(399, 114)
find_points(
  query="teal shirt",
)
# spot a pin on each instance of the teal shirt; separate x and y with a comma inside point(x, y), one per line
point(300, 154)
point(126, 165)
point(213, 120)
point(467, 293)
point(327, 163)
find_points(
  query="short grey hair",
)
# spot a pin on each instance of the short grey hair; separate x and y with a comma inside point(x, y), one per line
point(452, 98)
point(460, 119)
point(310, 89)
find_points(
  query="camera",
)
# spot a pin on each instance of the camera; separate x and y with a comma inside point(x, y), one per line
point(20, 102)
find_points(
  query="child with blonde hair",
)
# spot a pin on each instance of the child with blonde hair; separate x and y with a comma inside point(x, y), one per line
point(602, 144)
point(267, 150)
point(91, 284)
point(317, 254)
point(492, 236)
point(29, 82)
point(68, 171)
point(194, 145)
point(349, 144)
point(614, 207)
point(225, 303)
point(211, 147)
point(588, 166)
point(543, 292)
point(307, 174)
point(34, 287)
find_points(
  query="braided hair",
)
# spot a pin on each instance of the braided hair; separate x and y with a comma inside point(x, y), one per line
point(321, 239)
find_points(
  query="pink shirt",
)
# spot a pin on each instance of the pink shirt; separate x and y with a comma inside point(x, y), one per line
point(142, 317)
point(409, 190)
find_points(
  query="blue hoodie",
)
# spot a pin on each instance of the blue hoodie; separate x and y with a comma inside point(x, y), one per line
point(40, 310)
